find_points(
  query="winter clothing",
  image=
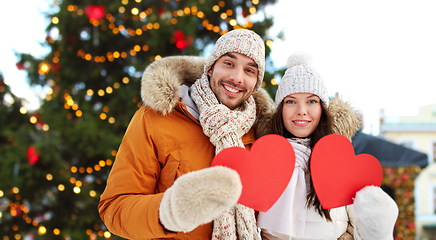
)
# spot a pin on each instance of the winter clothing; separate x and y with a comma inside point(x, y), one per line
point(225, 127)
point(163, 142)
point(239, 222)
point(300, 77)
point(289, 215)
point(345, 120)
point(373, 214)
point(376, 214)
point(289, 208)
point(241, 41)
point(196, 209)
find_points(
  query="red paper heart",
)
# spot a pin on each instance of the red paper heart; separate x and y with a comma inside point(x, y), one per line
point(337, 173)
point(265, 170)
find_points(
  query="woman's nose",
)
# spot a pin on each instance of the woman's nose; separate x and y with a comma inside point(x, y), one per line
point(302, 110)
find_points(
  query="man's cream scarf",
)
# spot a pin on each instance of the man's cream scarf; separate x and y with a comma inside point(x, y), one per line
point(225, 127)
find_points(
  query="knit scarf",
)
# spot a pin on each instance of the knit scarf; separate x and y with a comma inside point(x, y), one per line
point(225, 127)
point(287, 217)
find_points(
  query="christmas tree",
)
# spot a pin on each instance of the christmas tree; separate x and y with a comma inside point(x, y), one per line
point(55, 160)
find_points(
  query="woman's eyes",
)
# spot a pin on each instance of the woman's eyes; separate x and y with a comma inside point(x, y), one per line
point(292, 101)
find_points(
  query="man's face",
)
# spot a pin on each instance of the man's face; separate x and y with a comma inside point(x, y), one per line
point(233, 79)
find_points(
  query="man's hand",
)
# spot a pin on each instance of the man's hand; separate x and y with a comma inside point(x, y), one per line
point(199, 197)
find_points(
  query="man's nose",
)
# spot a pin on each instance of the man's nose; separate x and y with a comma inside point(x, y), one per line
point(237, 75)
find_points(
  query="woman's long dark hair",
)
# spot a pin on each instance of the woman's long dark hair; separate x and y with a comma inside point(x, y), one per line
point(324, 128)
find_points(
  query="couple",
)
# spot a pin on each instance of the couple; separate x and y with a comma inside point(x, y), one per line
point(162, 186)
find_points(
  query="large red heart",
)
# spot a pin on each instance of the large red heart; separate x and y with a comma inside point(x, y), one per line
point(337, 173)
point(265, 170)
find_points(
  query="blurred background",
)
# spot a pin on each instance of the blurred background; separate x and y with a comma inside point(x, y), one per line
point(70, 77)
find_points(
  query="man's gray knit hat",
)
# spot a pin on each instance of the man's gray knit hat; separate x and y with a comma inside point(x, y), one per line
point(241, 41)
point(300, 77)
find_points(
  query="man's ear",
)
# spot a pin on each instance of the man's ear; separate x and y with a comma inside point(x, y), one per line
point(209, 73)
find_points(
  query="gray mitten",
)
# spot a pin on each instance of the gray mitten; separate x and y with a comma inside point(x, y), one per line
point(376, 213)
point(199, 197)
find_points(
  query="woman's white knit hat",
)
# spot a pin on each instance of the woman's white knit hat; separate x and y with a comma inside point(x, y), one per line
point(241, 41)
point(300, 77)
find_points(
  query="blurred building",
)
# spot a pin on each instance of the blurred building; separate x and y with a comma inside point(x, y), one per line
point(401, 166)
point(418, 133)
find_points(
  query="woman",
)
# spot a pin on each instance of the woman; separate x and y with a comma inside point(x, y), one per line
point(303, 117)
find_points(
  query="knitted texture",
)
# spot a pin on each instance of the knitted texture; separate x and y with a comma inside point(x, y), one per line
point(288, 215)
point(239, 222)
point(275, 218)
point(376, 214)
point(198, 197)
point(300, 77)
point(241, 41)
point(225, 127)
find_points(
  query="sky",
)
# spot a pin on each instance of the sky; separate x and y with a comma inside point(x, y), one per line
point(23, 29)
point(375, 54)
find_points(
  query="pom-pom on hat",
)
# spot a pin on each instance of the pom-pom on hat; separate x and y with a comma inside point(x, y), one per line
point(300, 77)
point(241, 41)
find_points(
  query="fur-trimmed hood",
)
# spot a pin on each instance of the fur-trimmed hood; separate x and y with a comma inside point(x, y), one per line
point(162, 81)
point(346, 120)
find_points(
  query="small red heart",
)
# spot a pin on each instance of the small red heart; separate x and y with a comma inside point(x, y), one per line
point(265, 170)
point(337, 173)
point(94, 12)
point(32, 156)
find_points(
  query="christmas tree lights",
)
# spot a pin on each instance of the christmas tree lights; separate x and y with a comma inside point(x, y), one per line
point(92, 80)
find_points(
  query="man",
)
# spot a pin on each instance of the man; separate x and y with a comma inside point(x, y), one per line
point(161, 185)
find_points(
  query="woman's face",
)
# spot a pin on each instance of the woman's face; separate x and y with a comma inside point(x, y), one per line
point(301, 113)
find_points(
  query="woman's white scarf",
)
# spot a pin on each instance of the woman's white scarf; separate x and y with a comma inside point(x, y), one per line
point(225, 127)
point(288, 215)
